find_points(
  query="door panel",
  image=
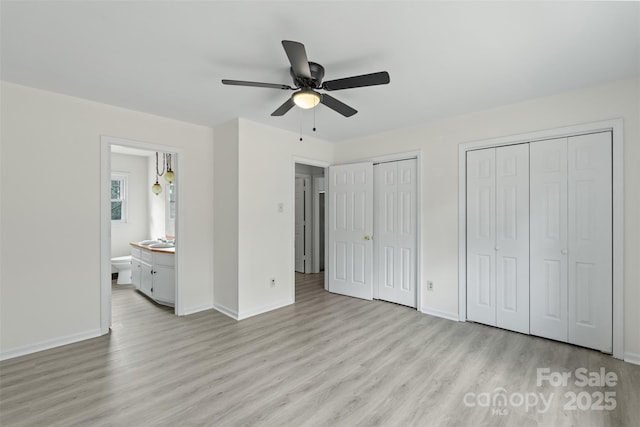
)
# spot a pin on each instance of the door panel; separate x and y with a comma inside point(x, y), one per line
point(396, 231)
point(481, 221)
point(350, 222)
point(299, 227)
point(512, 237)
point(590, 241)
point(549, 274)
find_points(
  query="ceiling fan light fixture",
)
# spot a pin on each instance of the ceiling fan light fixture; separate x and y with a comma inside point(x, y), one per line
point(306, 99)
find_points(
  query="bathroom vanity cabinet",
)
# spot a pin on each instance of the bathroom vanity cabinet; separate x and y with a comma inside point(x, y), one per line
point(153, 273)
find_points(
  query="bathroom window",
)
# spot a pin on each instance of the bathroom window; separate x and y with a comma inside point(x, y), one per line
point(118, 198)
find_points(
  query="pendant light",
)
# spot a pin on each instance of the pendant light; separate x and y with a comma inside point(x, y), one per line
point(168, 173)
point(156, 188)
point(169, 176)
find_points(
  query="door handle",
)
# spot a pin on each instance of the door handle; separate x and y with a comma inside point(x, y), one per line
point(367, 237)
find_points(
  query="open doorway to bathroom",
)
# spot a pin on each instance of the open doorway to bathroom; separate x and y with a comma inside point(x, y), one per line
point(309, 223)
point(140, 224)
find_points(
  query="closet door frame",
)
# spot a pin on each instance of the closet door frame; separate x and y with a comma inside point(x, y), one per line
point(616, 128)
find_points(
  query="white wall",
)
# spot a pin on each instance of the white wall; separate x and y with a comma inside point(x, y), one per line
point(137, 226)
point(225, 190)
point(47, 135)
point(156, 202)
point(266, 178)
point(439, 144)
point(254, 173)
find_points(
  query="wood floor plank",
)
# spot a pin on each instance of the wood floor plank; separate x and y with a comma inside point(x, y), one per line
point(327, 360)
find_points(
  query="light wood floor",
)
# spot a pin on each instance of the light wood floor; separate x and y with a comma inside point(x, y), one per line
point(326, 360)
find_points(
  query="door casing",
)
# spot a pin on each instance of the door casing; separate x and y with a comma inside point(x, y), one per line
point(105, 222)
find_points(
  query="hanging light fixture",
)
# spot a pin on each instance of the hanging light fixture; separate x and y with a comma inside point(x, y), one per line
point(156, 188)
point(167, 171)
point(169, 176)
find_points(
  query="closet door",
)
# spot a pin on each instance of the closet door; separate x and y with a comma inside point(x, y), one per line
point(395, 231)
point(512, 238)
point(549, 248)
point(571, 240)
point(590, 241)
point(481, 236)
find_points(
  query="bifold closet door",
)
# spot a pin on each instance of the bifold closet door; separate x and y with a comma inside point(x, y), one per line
point(395, 231)
point(571, 240)
point(590, 241)
point(498, 237)
point(512, 237)
point(481, 236)
point(549, 307)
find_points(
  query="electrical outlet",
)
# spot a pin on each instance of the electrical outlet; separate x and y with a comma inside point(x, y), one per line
point(272, 282)
point(429, 285)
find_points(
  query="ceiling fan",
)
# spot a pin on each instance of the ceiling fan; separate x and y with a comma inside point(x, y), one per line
point(307, 80)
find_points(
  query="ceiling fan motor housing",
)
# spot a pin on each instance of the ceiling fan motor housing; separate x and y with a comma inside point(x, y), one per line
point(315, 82)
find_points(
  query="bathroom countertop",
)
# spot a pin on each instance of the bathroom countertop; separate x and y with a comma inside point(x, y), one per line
point(163, 250)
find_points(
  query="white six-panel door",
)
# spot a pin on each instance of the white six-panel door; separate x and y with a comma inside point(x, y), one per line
point(395, 235)
point(498, 237)
point(549, 245)
point(512, 238)
point(590, 241)
point(350, 230)
point(571, 240)
point(481, 235)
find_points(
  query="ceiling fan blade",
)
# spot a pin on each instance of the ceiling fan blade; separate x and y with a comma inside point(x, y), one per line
point(336, 105)
point(373, 79)
point(256, 84)
point(281, 110)
point(298, 58)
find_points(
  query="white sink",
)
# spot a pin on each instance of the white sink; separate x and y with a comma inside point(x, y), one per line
point(159, 245)
point(148, 242)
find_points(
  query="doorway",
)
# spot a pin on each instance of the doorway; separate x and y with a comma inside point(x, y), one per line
point(140, 215)
point(309, 241)
point(309, 218)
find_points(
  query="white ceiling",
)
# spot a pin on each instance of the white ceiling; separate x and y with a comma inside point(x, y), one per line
point(444, 58)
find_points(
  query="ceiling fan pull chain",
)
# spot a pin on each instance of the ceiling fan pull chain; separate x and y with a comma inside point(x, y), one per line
point(314, 119)
point(300, 120)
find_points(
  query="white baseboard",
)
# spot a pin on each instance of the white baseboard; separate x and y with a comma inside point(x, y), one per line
point(440, 313)
point(196, 309)
point(48, 344)
point(226, 311)
point(632, 358)
point(263, 309)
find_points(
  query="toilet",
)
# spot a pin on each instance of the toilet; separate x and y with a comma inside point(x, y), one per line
point(123, 266)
